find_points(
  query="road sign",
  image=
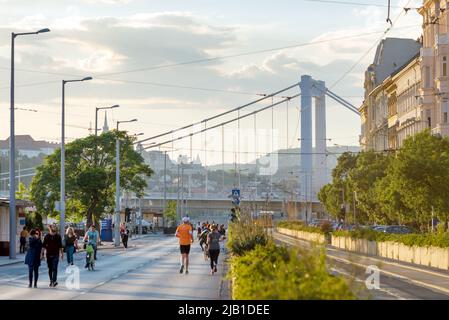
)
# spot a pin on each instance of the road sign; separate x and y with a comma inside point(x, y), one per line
point(57, 206)
point(235, 196)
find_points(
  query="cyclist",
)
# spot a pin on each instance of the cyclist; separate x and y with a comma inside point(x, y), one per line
point(185, 234)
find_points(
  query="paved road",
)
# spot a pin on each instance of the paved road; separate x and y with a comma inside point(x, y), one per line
point(397, 280)
point(148, 271)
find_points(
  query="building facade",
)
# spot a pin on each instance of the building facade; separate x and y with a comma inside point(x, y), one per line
point(27, 146)
point(391, 83)
point(434, 65)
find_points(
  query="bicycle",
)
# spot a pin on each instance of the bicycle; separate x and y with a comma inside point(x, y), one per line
point(90, 261)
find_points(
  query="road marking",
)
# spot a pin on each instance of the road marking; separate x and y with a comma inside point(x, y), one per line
point(380, 260)
point(396, 264)
point(420, 283)
point(360, 280)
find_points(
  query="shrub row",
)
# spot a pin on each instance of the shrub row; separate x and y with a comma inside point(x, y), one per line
point(279, 273)
point(300, 226)
point(262, 270)
point(440, 239)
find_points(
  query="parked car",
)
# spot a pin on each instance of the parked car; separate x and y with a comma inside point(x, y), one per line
point(397, 230)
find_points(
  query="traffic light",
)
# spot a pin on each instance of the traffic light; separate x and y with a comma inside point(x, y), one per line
point(127, 214)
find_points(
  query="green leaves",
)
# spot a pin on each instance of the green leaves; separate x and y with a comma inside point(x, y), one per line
point(394, 189)
point(280, 273)
point(90, 175)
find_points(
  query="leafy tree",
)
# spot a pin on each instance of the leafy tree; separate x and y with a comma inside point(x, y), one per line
point(90, 175)
point(331, 196)
point(170, 215)
point(369, 168)
point(420, 174)
point(23, 193)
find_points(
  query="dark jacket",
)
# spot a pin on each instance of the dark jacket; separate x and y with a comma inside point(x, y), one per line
point(33, 256)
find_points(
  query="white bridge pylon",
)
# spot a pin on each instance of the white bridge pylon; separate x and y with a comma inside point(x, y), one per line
point(313, 175)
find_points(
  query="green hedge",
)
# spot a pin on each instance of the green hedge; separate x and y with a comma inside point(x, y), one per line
point(298, 225)
point(440, 239)
point(280, 273)
point(243, 237)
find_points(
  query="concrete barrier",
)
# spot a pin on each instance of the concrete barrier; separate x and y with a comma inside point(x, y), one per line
point(426, 256)
point(308, 236)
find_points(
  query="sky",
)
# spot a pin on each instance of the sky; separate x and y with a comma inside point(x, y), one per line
point(120, 42)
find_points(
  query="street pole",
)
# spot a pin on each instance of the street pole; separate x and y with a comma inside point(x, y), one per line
point(182, 190)
point(178, 211)
point(117, 186)
point(62, 193)
point(140, 217)
point(165, 181)
point(62, 187)
point(117, 193)
point(353, 198)
point(12, 149)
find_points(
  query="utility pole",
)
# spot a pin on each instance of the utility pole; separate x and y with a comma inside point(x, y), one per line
point(177, 199)
point(353, 198)
point(165, 180)
point(117, 186)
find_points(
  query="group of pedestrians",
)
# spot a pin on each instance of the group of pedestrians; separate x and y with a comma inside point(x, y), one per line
point(52, 248)
point(209, 237)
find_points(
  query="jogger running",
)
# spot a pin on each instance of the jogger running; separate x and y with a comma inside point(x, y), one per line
point(185, 234)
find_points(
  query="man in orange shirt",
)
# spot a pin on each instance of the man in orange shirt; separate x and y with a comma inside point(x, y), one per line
point(185, 234)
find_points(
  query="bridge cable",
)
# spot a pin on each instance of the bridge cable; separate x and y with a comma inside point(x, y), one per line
point(219, 115)
point(223, 123)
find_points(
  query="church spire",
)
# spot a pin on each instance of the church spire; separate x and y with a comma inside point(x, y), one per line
point(105, 125)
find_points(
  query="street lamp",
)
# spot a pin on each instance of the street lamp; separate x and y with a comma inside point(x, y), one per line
point(96, 115)
point(62, 196)
point(117, 187)
point(12, 149)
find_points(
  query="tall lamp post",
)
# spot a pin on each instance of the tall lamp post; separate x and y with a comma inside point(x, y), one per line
point(12, 149)
point(62, 196)
point(117, 187)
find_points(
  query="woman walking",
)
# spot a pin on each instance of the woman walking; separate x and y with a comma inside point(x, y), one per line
point(33, 257)
point(213, 243)
point(71, 242)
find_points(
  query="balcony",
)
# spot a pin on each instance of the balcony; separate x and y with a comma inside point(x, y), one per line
point(441, 129)
point(393, 121)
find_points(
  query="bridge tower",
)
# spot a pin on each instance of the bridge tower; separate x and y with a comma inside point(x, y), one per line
point(313, 163)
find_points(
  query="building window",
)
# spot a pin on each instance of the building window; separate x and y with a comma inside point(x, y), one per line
point(445, 111)
point(444, 66)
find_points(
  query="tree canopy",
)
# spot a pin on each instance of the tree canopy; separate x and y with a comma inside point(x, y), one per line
point(404, 188)
point(90, 176)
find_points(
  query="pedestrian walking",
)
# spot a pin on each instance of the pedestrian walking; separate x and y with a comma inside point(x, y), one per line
point(52, 246)
point(213, 241)
point(33, 257)
point(23, 239)
point(185, 234)
point(124, 233)
point(70, 243)
point(91, 237)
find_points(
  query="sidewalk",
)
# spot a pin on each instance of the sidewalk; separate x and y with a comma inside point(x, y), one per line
point(20, 258)
point(6, 261)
